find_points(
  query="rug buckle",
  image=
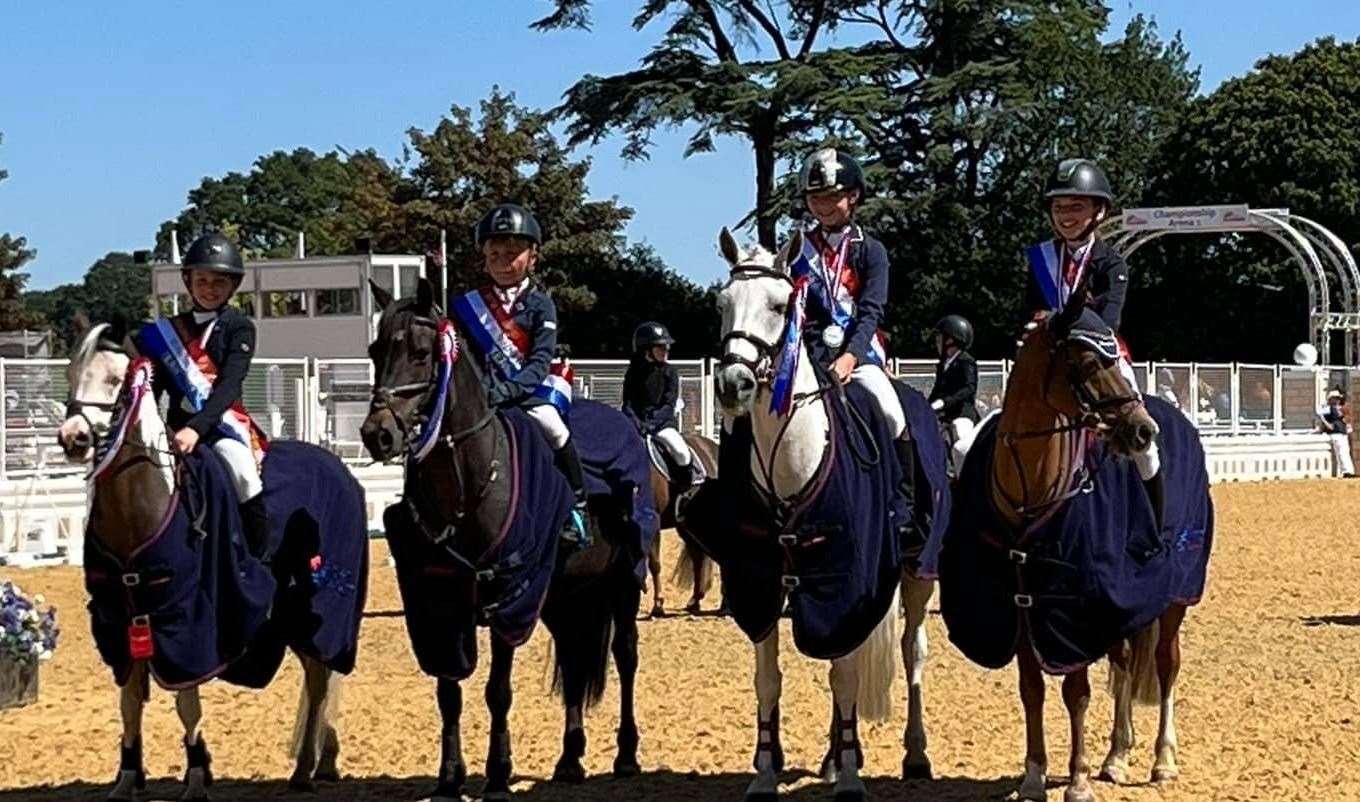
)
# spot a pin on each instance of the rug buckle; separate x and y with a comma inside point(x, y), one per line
point(790, 582)
point(1024, 601)
point(1018, 557)
point(132, 580)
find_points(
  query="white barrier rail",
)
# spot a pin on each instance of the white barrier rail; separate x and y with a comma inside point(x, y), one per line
point(1256, 422)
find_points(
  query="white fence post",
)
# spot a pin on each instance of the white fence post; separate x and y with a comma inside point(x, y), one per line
point(4, 420)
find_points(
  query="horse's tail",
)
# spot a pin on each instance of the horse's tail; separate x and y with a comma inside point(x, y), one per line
point(581, 637)
point(1147, 686)
point(876, 664)
point(687, 568)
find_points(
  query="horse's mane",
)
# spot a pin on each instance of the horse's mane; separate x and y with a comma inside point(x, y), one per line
point(756, 255)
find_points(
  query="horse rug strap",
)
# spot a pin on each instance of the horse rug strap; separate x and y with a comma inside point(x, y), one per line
point(447, 592)
point(1098, 571)
point(661, 460)
point(191, 599)
point(836, 557)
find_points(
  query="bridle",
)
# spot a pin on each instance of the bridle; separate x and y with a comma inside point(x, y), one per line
point(765, 350)
point(1095, 415)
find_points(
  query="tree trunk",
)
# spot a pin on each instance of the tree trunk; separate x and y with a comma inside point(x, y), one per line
point(762, 141)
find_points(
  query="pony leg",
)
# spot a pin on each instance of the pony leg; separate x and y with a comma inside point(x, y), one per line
point(1076, 691)
point(845, 679)
point(307, 733)
point(625, 649)
point(198, 771)
point(916, 764)
point(452, 769)
point(654, 568)
point(1168, 669)
point(1034, 787)
point(132, 701)
point(703, 576)
point(769, 759)
point(1115, 769)
point(499, 697)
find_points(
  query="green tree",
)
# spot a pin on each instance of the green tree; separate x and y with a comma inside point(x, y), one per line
point(756, 71)
point(1282, 136)
point(115, 290)
point(992, 94)
point(14, 254)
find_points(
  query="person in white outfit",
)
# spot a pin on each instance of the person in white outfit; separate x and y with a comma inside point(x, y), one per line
point(1333, 423)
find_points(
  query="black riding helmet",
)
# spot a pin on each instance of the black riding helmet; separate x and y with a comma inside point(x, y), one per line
point(1079, 178)
point(215, 253)
point(508, 220)
point(829, 168)
point(650, 334)
point(956, 328)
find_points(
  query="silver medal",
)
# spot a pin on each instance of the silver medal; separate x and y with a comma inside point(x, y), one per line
point(833, 336)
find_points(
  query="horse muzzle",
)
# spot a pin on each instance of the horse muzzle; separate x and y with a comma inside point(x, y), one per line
point(1136, 434)
point(76, 441)
point(735, 386)
point(381, 435)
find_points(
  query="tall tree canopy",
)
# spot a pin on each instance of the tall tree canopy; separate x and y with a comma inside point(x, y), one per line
point(1282, 136)
point(115, 290)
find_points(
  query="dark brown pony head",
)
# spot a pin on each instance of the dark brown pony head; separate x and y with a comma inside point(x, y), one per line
point(404, 362)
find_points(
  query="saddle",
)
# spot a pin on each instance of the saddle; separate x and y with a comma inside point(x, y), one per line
point(661, 460)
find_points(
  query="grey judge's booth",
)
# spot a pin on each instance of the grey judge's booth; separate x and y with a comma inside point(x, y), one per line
point(319, 308)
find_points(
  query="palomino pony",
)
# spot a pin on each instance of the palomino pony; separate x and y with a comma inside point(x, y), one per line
point(1063, 559)
point(133, 504)
point(694, 571)
point(790, 457)
point(485, 478)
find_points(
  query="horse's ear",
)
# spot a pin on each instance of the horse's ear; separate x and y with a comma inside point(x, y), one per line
point(727, 244)
point(381, 297)
point(130, 347)
point(792, 250)
point(424, 295)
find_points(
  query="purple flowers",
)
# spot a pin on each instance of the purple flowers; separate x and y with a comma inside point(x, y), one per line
point(27, 632)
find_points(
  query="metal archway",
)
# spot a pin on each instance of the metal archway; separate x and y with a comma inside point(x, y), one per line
point(1311, 245)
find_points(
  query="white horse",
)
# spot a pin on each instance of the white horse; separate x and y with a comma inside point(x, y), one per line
point(95, 375)
point(754, 307)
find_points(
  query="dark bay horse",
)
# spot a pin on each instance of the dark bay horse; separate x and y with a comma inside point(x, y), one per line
point(464, 492)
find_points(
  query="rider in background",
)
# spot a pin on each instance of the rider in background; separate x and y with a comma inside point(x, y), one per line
point(523, 319)
point(954, 395)
point(1079, 199)
point(651, 395)
point(203, 356)
point(848, 290)
point(1333, 423)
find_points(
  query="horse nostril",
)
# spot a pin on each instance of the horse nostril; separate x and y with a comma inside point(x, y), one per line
point(1145, 435)
point(385, 439)
point(82, 440)
point(745, 383)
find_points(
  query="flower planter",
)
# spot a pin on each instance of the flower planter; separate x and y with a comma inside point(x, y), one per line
point(18, 682)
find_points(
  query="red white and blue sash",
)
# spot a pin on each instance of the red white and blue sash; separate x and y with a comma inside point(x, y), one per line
point(493, 328)
point(194, 373)
point(1047, 262)
point(136, 385)
point(439, 398)
point(834, 281)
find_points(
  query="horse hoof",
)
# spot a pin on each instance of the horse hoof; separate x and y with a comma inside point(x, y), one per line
point(693, 608)
point(1074, 794)
point(1164, 775)
point(626, 768)
point(916, 771)
point(1114, 773)
point(658, 611)
point(330, 775)
point(572, 773)
point(301, 785)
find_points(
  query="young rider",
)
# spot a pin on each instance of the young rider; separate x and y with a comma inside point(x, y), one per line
point(651, 392)
point(954, 395)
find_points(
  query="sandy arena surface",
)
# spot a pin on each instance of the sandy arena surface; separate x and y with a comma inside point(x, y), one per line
point(1269, 698)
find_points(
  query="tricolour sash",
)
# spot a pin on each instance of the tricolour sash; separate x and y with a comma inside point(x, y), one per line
point(836, 287)
point(1046, 262)
point(491, 325)
point(194, 373)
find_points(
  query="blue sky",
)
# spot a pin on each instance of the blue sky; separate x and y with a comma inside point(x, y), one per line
point(111, 112)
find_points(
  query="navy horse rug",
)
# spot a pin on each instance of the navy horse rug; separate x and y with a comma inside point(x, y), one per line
point(1097, 571)
point(447, 592)
point(836, 557)
point(194, 602)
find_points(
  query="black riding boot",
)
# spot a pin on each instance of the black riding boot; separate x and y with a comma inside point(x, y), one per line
point(256, 525)
point(569, 463)
point(682, 475)
point(914, 539)
point(1155, 491)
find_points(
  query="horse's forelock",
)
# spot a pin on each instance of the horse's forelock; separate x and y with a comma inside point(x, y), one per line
point(89, 345)
point(756, 255)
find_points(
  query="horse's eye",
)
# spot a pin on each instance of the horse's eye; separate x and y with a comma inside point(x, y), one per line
point(781, 309)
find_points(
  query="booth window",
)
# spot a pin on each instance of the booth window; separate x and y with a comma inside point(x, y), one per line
point(285, 303)
point(337, 302)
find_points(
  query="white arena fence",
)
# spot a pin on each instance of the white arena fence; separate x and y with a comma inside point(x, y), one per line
point(1256, 422)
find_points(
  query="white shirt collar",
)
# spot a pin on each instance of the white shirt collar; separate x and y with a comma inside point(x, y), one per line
point(509, 295)
point(951, 359)
point(204, 317)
